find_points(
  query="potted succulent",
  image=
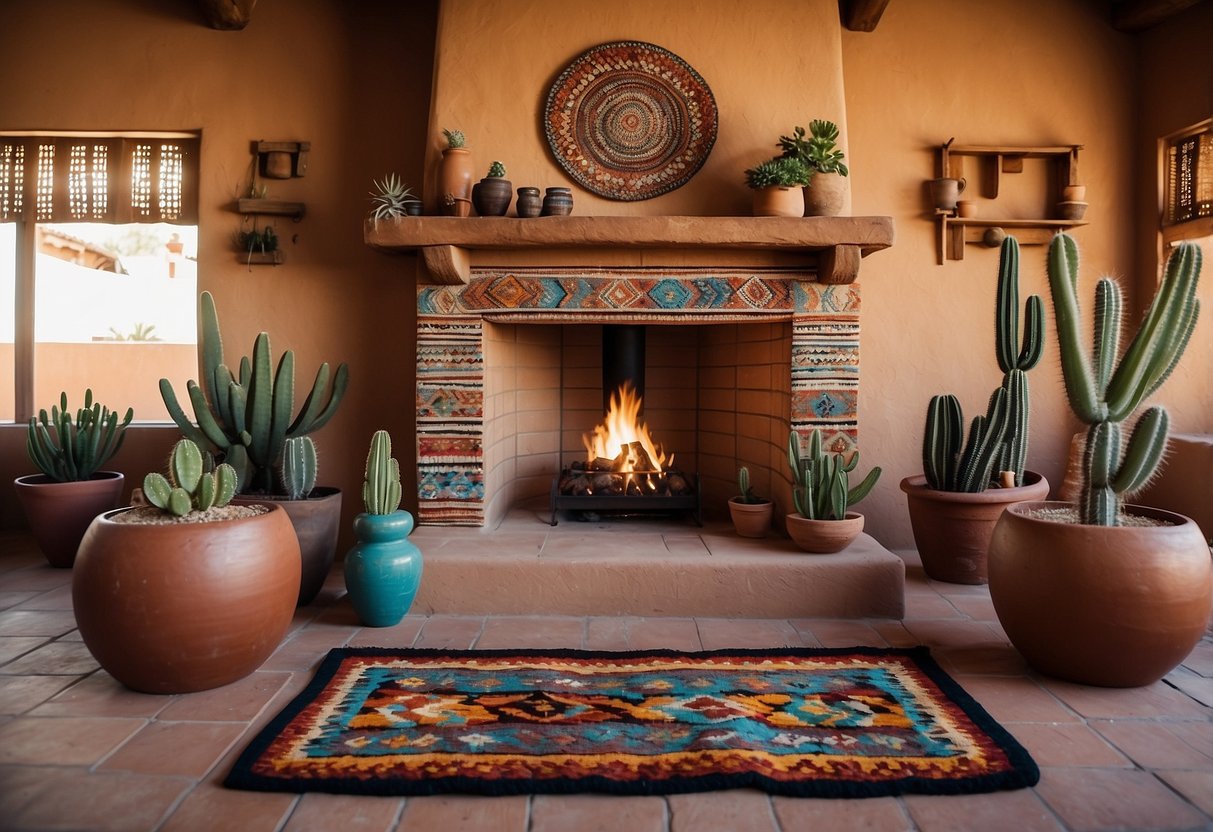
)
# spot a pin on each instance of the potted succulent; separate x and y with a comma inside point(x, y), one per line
point(60, 502)
point(750, 513)
point(383, 570)
point(778, 186)
point(966, 484)
point(391, 199)
point(491, 195)
point(455, 175)
point(187, 593)
point(825, 194)
point(822, 495)
point(246, 420)
point(1099, 592)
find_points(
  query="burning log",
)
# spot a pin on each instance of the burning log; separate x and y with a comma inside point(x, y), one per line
point(603, 464)
point(641, 461)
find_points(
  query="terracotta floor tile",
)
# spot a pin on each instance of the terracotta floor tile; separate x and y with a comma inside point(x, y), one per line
point(507, 632)
point(98, 802)
point(1200, 660)
point(348, 813)
point(447, 813)
point(961, 633)
point(723, 633)
point(459, 632)
point(975, 607)
point(71, 741)
point(736, 810)
point(1012, 699)
point(403, 634)
point(13, 646)
point(1013, 811)
point(1090, 799)
point(212, 807)
point(1194, 685)
point(597, 813)
point(186, 749)
point(59, 598)
point(994, 658)
point(1067, 744)
point(102, 695)
point(928, 605)
point(1158, 699)
point(36, 579)
point(1154, 743)
point(894, 633)
point(19, 694)
point(830, 632)
point(36, 622)
point(664, 634)
point(240, 701)
point(66, 658)
point(876, 814)
point(12, 599)
point(608, 632)
point(1196, 786)
point(304, 649)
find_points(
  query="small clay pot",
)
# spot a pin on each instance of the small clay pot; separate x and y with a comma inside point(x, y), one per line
point(529, 202)
point(557, 202)
point(1071, 210)
point(491, 196)
point(824, 537)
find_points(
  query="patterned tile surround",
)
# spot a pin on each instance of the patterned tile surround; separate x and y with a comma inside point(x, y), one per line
point(452, 376)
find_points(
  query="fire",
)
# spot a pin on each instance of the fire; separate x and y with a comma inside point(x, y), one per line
point(620, 429)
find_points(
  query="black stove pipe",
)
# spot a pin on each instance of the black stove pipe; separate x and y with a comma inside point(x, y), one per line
point(622, 359)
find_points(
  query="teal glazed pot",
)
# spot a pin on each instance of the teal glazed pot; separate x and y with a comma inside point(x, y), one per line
point(383, 570)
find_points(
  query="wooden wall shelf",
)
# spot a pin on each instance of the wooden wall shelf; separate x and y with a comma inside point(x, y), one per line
point(833, 246)
point(271, 207)
point(261, 258)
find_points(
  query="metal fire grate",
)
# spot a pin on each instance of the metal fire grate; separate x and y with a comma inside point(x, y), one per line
point(627, 503)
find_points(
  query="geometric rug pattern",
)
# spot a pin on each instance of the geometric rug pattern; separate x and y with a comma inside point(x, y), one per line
point(853, 722)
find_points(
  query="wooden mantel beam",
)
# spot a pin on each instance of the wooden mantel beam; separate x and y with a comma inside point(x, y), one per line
point(861, 15)
point(227, 15)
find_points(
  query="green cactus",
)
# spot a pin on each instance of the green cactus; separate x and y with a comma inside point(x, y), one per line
point(188, 486)
point(299, 467)
point(248, 418)
point(997, 441)
point(1104, 393)
point(821, 480)
point(381, 487)
point(454, 138)
point(75, 450)
point(747, 494)
point(496, 170)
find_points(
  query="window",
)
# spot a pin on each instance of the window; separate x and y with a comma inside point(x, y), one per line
point(1188, 184)
point(98, 242)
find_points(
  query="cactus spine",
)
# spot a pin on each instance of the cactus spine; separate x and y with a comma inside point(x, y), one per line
point(299, 467)
point(188, 487)
point(248, 418)
point(77, 449)
point(997, 441)
point(820, 480)
point(381, 487)
point(1104, 393)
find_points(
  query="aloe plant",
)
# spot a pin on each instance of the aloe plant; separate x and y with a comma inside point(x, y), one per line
point(247, 418)
point(821, 482)
point(188, 487)
point(1103, 392)
point(997, 441)
point(381, 487)
point(69, 451)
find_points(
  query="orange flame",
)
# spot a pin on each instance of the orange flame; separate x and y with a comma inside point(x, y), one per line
point(621, 427)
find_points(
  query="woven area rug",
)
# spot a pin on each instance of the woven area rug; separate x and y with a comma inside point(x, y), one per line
point(857, 722)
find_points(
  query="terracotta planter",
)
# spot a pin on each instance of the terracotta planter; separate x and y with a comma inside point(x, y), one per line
point(952, 529)
point(751, 519)
point(777, 201)
point(317, 522)
point(825, 195)
point(1115, 606)
point(60, 512)
point(186, 606)
point(455, 182)
point(824, 537)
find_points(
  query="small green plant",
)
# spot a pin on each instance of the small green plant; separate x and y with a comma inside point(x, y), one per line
point(141, 332)
point(381, 487)
point(262, 242)
point(782, 171)
point(1104, 393)
point(821, 481)
point(454, 138)
point(68, 451)
point(747, 494)
point(299, 467)
point(188, 487)
point(389, 197)
point(819, 150)
point(496, 170)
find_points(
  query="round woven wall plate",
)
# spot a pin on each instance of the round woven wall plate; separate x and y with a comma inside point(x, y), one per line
point(630, 120)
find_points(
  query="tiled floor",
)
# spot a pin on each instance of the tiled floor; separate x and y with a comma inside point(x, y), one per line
point(78, 751)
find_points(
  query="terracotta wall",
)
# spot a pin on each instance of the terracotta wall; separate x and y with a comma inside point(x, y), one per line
point(355, 79)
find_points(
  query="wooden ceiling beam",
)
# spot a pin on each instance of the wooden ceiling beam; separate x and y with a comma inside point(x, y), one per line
point(861, 15)
point(227, 15)
point(1138, 15)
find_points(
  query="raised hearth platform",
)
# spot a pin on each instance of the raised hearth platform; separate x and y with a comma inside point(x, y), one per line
point(648, 567)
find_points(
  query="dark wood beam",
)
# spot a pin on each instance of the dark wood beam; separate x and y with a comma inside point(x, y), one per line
point(861, 15)
point(227, 15)
point(1138, 15)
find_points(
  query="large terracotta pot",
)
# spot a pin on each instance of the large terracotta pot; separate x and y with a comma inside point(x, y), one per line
point(824, 537)
point(1118, 606)
point(952, 529)
point(455, 182)
point(186, 606)
point(317, 522)
point(751, 519)
point(59, 512)
point(778, 201)
point(825, 195)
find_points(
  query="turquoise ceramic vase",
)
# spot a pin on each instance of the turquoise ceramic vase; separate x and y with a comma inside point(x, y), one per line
point(383, 570)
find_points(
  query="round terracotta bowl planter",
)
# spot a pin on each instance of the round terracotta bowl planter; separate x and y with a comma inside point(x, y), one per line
point(187, 606)
point(317, 522)
point(952, 529)
point(751, 519)
point(779, 201)
point(825, 194)
point(60, 512)
point(1116, 606)
point(824, 537)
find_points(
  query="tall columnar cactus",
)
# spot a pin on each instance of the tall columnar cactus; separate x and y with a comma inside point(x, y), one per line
point(747, 493)
point(998, 441)
point(188, 487)
point(74, 450)
point(1104, 393)
point(381, 487)
point(248, 418)
point(821, 481)
point(299, 467)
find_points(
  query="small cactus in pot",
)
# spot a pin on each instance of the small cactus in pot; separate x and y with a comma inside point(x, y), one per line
point(188, 487)
point(491, 195)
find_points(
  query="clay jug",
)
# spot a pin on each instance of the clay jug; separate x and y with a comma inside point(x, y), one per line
point(455, 181)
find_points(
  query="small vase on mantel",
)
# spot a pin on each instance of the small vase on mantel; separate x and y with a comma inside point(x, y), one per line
point(529, 202)
point(455, 177)
point(825, 195)
point(557, 202)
